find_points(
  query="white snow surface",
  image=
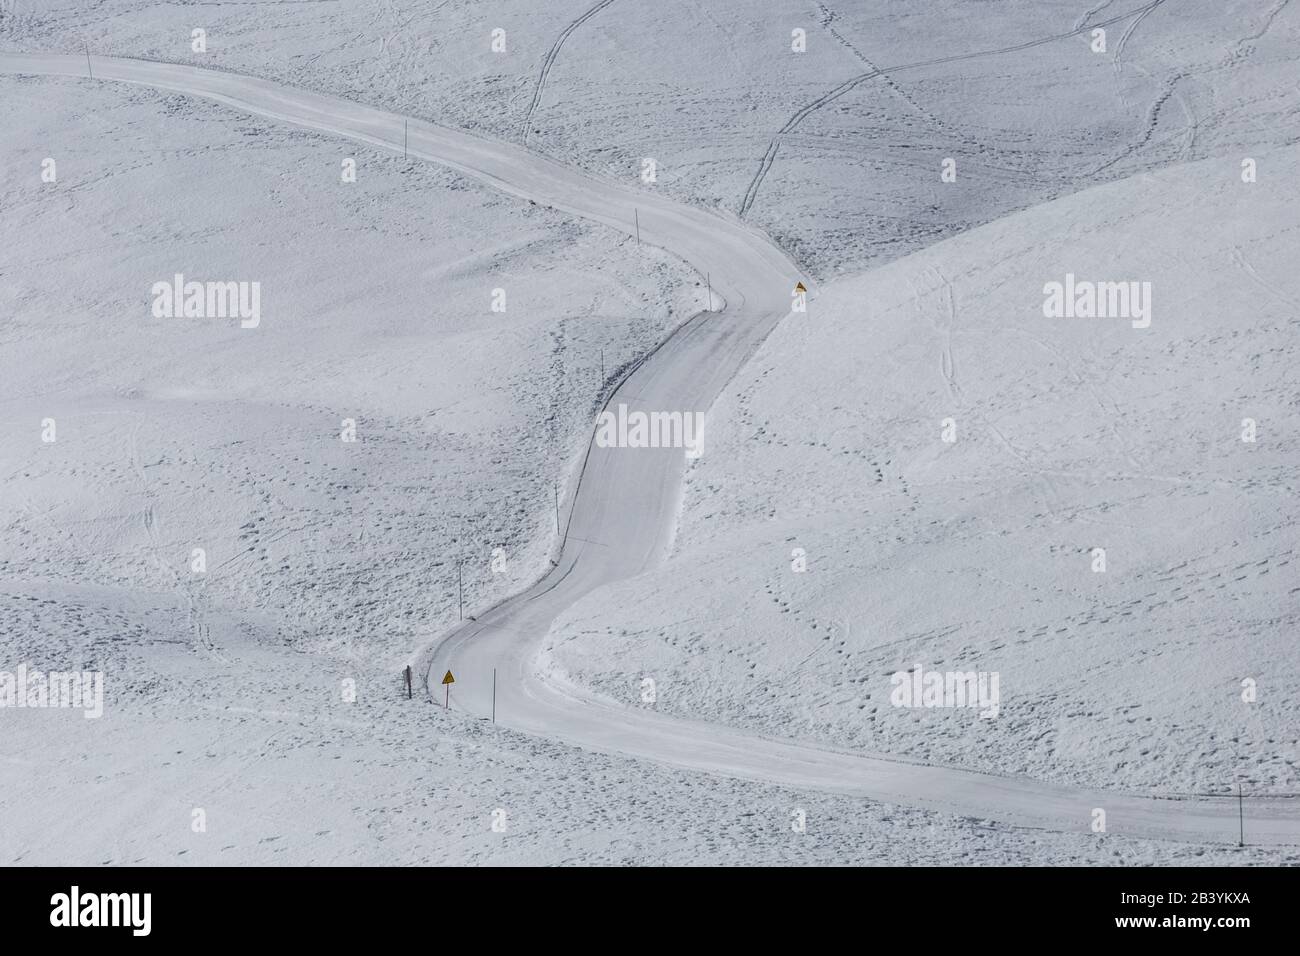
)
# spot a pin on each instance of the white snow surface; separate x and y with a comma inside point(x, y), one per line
point(334, 562)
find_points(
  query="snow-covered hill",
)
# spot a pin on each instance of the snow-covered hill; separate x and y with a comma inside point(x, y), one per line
point(840, 165)
point(329, 562)
point(1071, 434)
point(376, 307)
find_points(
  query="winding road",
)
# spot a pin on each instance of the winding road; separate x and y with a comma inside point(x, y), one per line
point(622, 515)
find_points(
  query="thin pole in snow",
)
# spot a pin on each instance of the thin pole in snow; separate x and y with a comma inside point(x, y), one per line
point(1241, 819)
point(494, 695)
point(460, 591)
point(708, 280)
point(557, 506)
point(637, 214)
point(88, 69)
point(602, 366)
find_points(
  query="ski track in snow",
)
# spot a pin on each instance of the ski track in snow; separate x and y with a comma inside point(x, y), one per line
point(769, 157)
point(549, 62)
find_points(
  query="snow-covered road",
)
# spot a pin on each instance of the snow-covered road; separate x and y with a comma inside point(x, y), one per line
point(621, 518)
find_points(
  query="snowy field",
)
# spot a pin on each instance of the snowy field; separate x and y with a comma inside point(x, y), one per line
point(250, 531)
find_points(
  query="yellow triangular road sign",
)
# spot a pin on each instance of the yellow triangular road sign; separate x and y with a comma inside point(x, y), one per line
point(800, 287)
point(449, 679)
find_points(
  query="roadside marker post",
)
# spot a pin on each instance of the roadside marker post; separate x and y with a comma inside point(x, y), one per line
point(447, 681)
point(407, 672)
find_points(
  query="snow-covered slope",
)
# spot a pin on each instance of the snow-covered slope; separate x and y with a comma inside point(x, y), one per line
point(1071, 434)
point(970, 555)
point(840, 165)
point(376, 306)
